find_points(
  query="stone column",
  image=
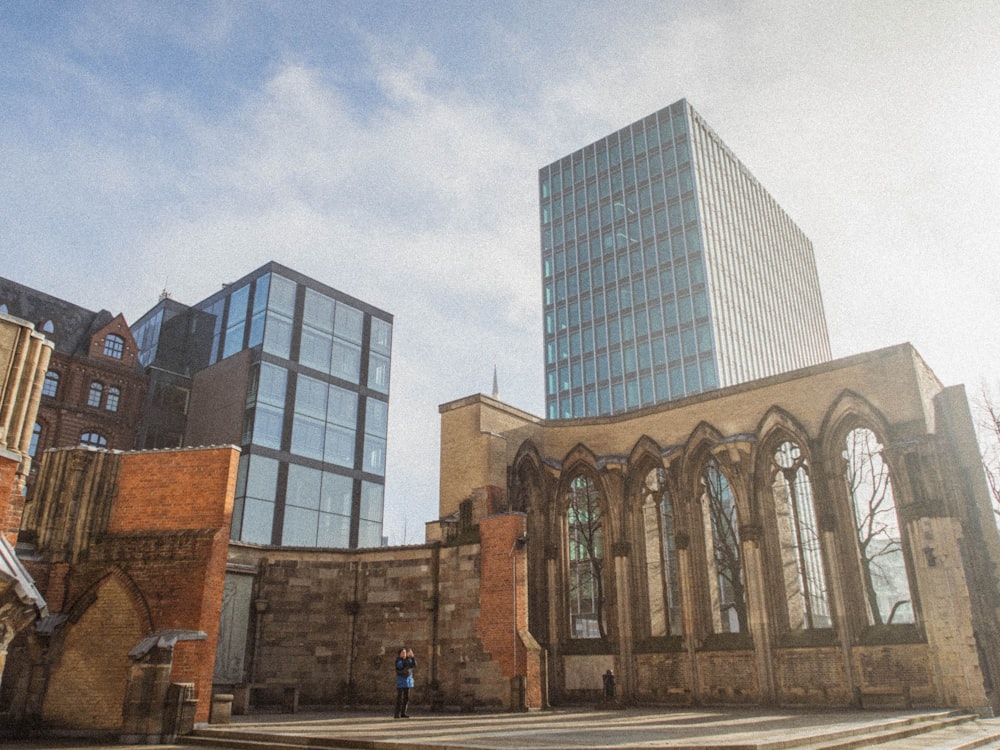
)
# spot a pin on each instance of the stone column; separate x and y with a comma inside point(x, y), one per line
point(947, 620)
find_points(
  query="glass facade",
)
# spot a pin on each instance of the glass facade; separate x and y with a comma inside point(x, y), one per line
point(667, 271)
point(316, 410)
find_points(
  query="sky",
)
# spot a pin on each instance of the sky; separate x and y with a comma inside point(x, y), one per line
point(390, 149)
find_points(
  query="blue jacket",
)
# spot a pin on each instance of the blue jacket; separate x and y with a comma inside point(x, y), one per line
point(404, 672)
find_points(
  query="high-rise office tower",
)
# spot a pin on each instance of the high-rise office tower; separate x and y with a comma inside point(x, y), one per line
point(297, 374)
point(668, 270)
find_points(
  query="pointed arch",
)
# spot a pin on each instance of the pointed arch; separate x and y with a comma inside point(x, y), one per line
point(720, 517)
point(778, 418)
point(582, 505)
point(91, 658)
point(580, 460)
point(847, 411)
point(83, 602)
point(863, 484)
point(785, 486)
point(703, 438)
point(645, 447)
point(579, 454)
point(650, 522)
point(527, 479)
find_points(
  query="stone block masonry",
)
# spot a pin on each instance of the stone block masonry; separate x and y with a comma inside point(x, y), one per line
point(334, 620)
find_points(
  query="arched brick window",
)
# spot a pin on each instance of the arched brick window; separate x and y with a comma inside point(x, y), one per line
point(93, 438)
point(51, 385)
point(113, 399)
point(94, 394)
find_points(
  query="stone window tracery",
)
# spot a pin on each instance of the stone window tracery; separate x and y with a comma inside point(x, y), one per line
point(662, 578)
point(798, 539)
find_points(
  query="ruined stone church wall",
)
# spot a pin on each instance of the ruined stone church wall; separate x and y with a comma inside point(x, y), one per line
point(333, 622)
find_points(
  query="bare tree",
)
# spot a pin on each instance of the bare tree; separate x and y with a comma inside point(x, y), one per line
point(726, 546)
point(586, 553)
point(987, 419)
point(868, 481)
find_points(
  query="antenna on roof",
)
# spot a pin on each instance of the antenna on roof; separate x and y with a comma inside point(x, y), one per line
point(165, 294)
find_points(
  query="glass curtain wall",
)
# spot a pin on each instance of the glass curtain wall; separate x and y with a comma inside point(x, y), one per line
point(316, 413)
point(626, 316)
point(667, 270)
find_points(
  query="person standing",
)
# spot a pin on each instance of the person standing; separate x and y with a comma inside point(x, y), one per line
point(405, 664)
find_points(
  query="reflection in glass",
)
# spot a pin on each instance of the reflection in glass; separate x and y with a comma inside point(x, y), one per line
point(585, 538)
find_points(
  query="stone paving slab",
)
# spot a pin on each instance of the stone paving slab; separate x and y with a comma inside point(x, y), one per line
point(673, 729)
point(676, 729)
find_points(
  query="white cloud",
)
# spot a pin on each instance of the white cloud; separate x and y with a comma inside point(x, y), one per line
point(413, 187)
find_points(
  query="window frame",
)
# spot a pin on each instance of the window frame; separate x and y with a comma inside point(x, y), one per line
point(114, 346)
point(95, 394)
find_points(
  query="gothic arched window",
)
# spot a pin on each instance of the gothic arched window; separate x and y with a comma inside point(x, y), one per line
point(798, 539)
point(585, 537)
point(662, 579)
point(883, 570)
point(728, 592)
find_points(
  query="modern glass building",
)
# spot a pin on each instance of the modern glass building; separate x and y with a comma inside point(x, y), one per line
point(297, 374)
point(668, 270)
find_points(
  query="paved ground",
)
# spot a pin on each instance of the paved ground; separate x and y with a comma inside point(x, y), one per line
point(578, 729)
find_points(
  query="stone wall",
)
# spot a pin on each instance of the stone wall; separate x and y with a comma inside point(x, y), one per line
point(929, 637)
point(332, 622)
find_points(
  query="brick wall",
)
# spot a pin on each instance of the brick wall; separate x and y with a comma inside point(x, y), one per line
point(87, 683)
point(146, 552)
point(11, 500)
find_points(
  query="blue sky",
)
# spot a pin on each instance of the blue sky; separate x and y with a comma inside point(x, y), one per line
point(391, 150)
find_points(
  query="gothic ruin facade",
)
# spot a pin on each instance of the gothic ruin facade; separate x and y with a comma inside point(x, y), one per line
point(821, 538)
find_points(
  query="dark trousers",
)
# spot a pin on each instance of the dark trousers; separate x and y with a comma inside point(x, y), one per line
point(402, 701)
